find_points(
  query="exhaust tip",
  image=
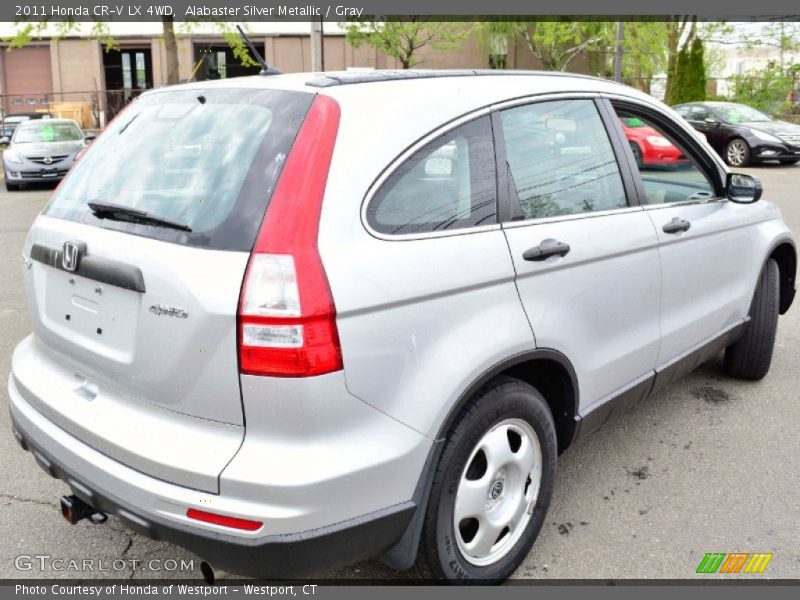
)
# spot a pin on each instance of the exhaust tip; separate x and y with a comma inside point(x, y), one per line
point(207, 571)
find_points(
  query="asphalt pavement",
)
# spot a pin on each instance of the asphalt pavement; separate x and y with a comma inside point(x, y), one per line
point(708, 465)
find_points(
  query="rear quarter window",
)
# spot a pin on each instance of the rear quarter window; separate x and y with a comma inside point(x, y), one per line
point(448, 184)
point(208, 159)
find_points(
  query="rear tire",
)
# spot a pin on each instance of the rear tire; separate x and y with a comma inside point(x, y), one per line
point(750, 356)
point(505, 429)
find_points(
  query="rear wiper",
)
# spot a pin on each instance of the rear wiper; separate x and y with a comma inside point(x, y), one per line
point(116, 212)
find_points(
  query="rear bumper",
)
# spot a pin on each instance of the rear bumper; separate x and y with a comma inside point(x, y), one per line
point(87, 473)
point(332, 479)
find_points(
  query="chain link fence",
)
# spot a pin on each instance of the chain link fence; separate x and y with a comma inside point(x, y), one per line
point(91, 109)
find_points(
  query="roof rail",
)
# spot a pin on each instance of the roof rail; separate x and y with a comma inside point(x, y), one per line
point(354, 77)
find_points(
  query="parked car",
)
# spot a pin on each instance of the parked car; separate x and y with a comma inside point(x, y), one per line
point(42, 150)
point(743, 135)
point(11, 122)
point(649, 147)
point(274, 335)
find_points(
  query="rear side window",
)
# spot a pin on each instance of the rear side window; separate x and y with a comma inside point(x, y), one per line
point(561, 160)
point(448, 184)
point(206, 159)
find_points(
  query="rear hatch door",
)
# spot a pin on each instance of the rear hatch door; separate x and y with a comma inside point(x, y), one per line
point(135, 270)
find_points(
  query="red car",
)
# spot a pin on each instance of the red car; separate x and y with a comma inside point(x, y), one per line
point(649, 147)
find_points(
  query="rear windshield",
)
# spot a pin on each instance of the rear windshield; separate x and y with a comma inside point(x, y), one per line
point(206, 159)
point(38, 132)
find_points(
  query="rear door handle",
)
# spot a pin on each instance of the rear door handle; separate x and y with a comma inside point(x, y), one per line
point(676, 226)
point(545, 250)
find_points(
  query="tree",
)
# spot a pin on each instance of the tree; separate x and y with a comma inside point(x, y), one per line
point(403, 39)
point(171, 50)
point(555, 43)
point(679, 38)
point(644, 51)
point(680, 78)
point(689, 84)
point(696, 83)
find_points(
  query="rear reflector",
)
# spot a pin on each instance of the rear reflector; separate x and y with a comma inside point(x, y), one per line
point(232, 522)
point(287, 319)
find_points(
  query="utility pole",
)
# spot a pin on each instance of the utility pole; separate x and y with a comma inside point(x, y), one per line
point(322, 43)
point(618, 53)
point(316, 45)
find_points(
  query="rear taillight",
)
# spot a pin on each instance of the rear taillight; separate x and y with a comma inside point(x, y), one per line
point(287, 319)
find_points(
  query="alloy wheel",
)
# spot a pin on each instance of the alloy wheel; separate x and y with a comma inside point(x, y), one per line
point(736, 153)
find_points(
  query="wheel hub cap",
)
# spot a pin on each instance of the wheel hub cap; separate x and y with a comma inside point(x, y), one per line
point(497, 492)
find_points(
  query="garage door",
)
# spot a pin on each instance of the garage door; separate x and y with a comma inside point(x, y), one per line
point(28, 81)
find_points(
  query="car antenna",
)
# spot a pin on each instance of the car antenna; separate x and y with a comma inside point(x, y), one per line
point(265, 68)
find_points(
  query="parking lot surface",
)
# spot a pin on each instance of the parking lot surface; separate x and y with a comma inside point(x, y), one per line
point(708, 465)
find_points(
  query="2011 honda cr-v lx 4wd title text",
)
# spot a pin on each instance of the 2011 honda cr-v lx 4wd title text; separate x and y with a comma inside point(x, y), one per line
point(297, 321)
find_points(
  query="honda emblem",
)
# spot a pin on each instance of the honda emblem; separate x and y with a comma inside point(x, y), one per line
point(71, 256)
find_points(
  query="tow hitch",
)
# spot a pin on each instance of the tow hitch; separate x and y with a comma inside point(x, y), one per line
point(74, 509)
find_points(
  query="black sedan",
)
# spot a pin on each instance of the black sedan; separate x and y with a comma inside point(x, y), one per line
point(743, 135)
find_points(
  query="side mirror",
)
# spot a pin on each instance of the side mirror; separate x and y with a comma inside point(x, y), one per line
point(89, 137)
point(5, 140)
point(743, 189)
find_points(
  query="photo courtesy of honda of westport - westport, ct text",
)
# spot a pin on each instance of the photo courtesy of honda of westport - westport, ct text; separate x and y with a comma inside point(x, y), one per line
point(298, 300)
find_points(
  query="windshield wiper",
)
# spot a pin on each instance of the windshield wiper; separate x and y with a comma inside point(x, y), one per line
point(116, 212)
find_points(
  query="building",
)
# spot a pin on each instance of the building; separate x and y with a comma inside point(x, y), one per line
point(79, 72)
point(739, 60)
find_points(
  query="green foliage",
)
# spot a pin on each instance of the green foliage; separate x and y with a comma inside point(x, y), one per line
point(555, 42)
point(678, 81)
point(403, 39)
point(766, 89)
point(644, 52)
point(689, 81)
point(26, 31)
point(696, 81)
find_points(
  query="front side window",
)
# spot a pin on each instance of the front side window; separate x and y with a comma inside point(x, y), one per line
point(448, 184)
point(560, 159)
point(699, 113)
point(668, 173)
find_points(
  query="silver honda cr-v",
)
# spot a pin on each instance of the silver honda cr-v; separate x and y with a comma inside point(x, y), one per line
point(296, 321)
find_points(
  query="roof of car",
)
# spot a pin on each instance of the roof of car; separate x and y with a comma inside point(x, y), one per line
point(313, 81)
point(452, 83)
